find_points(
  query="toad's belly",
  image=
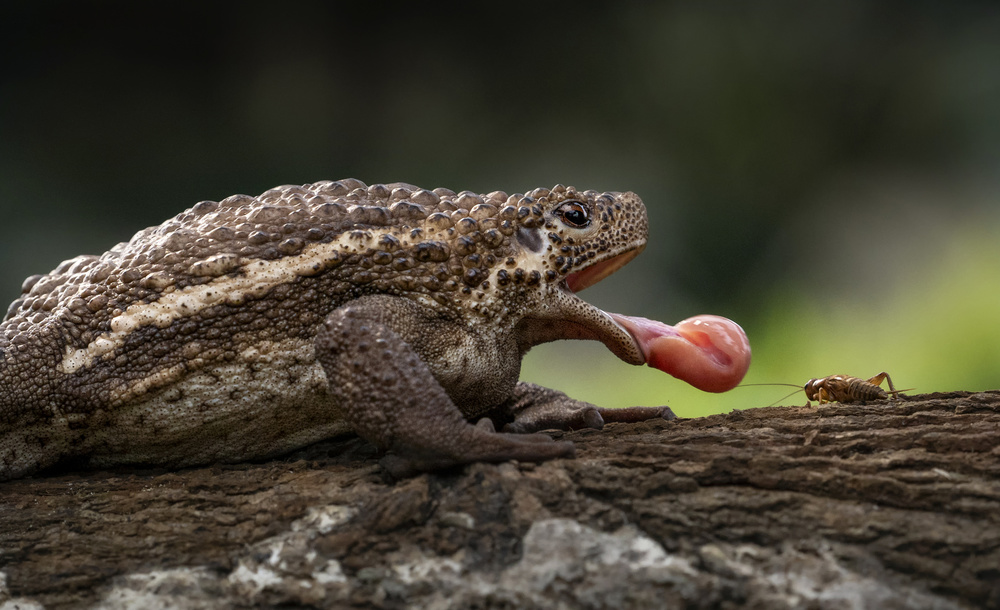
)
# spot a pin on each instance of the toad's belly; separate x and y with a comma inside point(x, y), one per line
point(272, 400)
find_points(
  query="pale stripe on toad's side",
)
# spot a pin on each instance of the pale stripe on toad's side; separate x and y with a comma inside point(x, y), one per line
point(257, 277)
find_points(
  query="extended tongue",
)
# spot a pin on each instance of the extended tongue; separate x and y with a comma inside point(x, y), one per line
point(711, 353)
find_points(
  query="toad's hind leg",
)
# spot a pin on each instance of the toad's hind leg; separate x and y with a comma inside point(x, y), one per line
point(390, 398)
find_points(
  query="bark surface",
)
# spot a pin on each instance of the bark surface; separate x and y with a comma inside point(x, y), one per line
point(887, 504)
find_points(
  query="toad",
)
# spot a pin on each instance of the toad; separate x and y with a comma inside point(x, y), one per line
point(253, 326)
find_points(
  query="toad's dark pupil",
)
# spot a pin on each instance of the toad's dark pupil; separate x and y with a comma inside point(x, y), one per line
point(576, 216)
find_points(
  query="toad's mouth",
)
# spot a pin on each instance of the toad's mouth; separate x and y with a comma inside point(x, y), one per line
point(711, 353)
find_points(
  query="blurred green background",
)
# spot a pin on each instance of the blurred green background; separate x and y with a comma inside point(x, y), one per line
point(825, 173)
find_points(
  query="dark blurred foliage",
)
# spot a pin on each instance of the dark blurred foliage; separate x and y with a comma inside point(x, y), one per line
point(726, 117)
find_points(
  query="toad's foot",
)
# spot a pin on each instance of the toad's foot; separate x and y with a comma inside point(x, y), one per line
point(537, 408)
point(391, 399)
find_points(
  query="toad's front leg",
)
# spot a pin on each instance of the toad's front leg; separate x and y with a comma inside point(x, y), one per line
point(390, 398)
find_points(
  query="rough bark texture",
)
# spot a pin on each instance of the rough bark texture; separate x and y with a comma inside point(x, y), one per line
point(889, 505)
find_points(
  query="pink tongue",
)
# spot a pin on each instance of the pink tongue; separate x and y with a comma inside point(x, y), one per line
point(711, 353)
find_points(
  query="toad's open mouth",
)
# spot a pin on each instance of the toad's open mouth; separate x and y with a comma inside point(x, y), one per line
point(711, 353)
point(596, 272)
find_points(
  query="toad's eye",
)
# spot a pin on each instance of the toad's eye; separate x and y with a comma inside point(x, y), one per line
point(574, 214)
